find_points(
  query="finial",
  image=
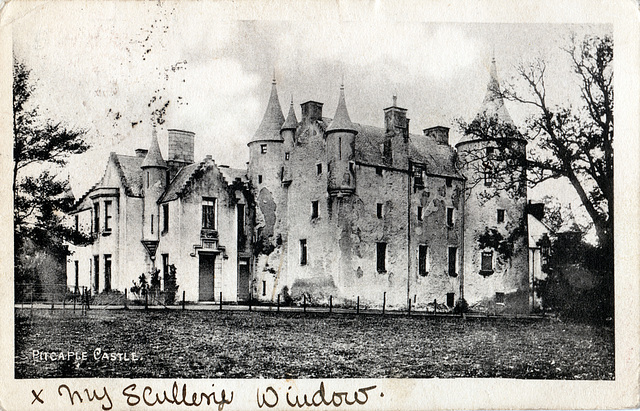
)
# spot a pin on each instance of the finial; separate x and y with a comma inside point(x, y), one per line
point(395, 98)
point(292, 99)
point(274, 76)
point(493, 53)
point(342, 82)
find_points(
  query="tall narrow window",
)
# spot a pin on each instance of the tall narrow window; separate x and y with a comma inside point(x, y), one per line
point(318, 169)
point(152, 223)
point(77, 225)
point(488, 177)
point(264, 288)
point(486, 265)
point(449, 181)
point(314, 209)
point(96, 273)
point(303, 252)
point(450, 217)
point(165, 268)
point(500, 216)
point(107, 215)
point(165, 217)
point(259, 178)
point(420, 213)
point(77, 273)
point(107, 272)
point(263, 148)
point(96, 217)
point(381, 257)
point(423, 259)
point(379, 210)
point(240, 208)
point(450, 299)
point(147, 179)
point(340, 148)
point(209, 213)
point(453, 261)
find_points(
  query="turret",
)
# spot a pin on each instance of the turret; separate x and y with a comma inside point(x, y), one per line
point(154, 177)
point(340, 136)
point(265, 148)
point(288, 132)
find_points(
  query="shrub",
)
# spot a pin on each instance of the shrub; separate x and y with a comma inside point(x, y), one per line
point(461, 306)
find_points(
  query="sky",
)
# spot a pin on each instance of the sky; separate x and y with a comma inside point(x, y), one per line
point(107, 67)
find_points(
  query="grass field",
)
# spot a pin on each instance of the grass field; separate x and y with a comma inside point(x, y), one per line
point(211, 344)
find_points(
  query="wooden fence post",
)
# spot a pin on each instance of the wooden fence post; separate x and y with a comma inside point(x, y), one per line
point(125, 299)
point(304, 303)
point(278, 302)
point(250, 298)
point(183, 300)
point(358, 305)
point(435, 304)
point(330, 303)
point(409, 306)
point(220, 300)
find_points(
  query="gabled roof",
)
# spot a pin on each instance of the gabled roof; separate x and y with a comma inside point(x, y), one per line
point(269, 129)
point(341, 120)
point(189, 173)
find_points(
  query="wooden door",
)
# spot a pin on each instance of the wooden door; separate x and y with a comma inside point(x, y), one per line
point(207, 264)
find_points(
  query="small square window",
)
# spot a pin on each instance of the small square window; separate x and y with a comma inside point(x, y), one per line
point(379, 210)
point(487, 262)
point(259, 179)
point(314, 209)
point(286, 156)
point(500, 298)
point(450, 217)
point(419, 213)
point(318, 169)
point(379, 171)
point(500, 216)
point(449, 181)
point(263, 148)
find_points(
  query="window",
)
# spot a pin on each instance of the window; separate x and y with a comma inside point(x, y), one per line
point(453, 261)
point(151, 223)
point(450, 299)
point(77, 225)
point(96, 273)
point(500, 216)
point(423, 260)
point(382, 148)
point(107, 216)
point(487, 262)
point(314, 209)
point(263, 149)
point(381, 257)
point(450, 217)
point(449, 181)
point(339, 148)
point(318, 169)
point(379, 210)
point(286, 156)
point(107, 272)
point(500, 298)
point(165, 268)
point(264, 288)
point(165, 218)
point(96, 217)
point(303, 252)
point(379, 171)
point(352, 167)
point(209, 213)
point(488, 178)
point(240, 208)
point(260, 179)
point(420, 213)
point(147, 179)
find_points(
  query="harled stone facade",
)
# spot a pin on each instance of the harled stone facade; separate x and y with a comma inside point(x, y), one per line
point(326, 208)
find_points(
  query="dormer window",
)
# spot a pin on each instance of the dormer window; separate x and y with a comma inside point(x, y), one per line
point(263, 149)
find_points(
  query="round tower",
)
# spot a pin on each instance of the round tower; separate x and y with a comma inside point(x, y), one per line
point(265, 148)
point(341, 136)
point(288, 132)
point(154, 178)
point(495, 253)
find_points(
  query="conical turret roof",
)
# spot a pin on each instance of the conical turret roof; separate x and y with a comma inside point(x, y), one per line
point(269, 129)
point(341, 120)
point(493, 103)
point(291, 123)
point(154, 156)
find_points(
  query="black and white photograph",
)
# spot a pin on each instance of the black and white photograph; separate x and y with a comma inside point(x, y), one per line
point(314, 205)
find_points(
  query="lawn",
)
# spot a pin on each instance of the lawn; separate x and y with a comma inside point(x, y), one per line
point(240, 344)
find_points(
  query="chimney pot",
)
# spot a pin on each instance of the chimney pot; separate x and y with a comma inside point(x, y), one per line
point(311, 111)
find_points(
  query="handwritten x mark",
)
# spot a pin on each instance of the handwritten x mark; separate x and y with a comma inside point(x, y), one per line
point(36, 396)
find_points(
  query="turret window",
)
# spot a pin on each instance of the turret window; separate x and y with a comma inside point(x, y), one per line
point(318, 169)
point(314, 209)
point(379, 210)
point(209, 213)
point(165, 218)
point(500, 216)
point(147, 179)
point(450, 218)
point(151, 223)
point(263, 149)
point(260, 179)
point(340, 148)
point(420, 213)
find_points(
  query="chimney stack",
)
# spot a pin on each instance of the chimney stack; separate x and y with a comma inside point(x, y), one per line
point(141, 152)
point(438, 133)
point(311, 111)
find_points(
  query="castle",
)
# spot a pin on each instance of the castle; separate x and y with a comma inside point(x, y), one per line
point(326, 208)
